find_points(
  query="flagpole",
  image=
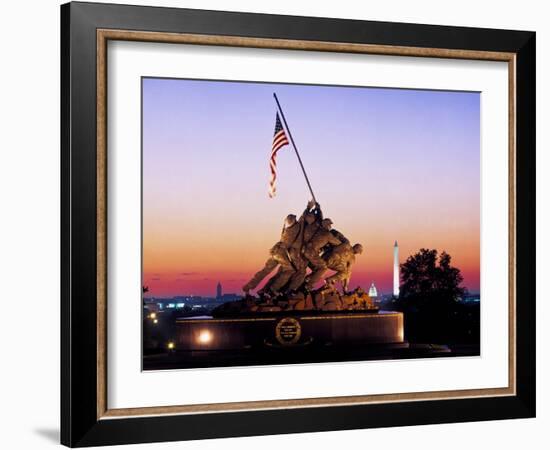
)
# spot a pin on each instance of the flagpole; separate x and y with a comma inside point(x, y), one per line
point(294, 146)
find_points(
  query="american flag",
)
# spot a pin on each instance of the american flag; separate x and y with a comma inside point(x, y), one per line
point(279, 140)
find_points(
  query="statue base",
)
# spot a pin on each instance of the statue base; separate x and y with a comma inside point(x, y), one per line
point(287, 330)
point(326, 299)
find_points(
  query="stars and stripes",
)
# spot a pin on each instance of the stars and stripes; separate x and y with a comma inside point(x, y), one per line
point(279, 140)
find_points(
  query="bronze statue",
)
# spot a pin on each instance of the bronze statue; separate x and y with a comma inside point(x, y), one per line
point(290, 237)
point(329, 247)
point(306, 242)
point(285, 254)
point(310, 221)
point(278, 256)
point(291, 230)
point(343, 239)
point(312, 224)
point(312, 251)
point(341, 259)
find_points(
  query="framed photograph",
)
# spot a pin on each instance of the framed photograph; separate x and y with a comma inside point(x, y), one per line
point(277, 224)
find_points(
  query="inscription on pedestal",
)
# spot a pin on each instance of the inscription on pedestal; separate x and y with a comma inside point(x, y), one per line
point(288, 331)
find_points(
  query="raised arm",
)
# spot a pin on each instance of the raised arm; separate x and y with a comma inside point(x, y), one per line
point(309, 208)
point(317, 211)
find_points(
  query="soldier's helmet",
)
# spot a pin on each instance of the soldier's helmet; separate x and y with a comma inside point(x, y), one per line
point(358, 249)
point(310, 218)
point(290, 220)
point(326, 223)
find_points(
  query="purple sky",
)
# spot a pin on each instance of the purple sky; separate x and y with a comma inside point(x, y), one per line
point(385, 164)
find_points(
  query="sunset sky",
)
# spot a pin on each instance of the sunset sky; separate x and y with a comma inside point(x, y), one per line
point(385, 165)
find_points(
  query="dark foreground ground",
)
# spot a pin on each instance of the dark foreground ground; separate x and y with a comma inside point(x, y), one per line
point(301, 355)
point(428, 333)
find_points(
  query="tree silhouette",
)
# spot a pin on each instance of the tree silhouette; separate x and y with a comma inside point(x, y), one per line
point(429, 296)
point(429, 279)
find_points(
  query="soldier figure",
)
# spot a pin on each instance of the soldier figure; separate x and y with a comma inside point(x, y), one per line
point(310, 220)
point(313, 221)
point(312, 251)
point(278, 256)
point(285, 254)
point(291, 230)
point(341, 259)
point(308, 241)
point(343, 239)
point(290, 235)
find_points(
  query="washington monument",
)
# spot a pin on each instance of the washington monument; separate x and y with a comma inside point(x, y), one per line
point(396, 270)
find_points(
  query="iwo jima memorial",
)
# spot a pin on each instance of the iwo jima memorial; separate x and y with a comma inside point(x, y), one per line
point(306, 304)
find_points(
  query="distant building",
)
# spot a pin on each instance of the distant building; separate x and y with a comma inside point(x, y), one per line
point(373, 292)
point(396, 270)
point(230, 297)
point(219, 291)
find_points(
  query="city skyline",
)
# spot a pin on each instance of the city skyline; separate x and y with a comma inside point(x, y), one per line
point(405, 161)
point(215, 295)
point(218, 294)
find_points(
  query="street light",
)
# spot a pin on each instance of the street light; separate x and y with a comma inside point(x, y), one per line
point(204, 337)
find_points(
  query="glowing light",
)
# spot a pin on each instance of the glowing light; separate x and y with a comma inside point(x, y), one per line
point(171, 346)
point(204, 337)
point(155, 321)
point(153, 315)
